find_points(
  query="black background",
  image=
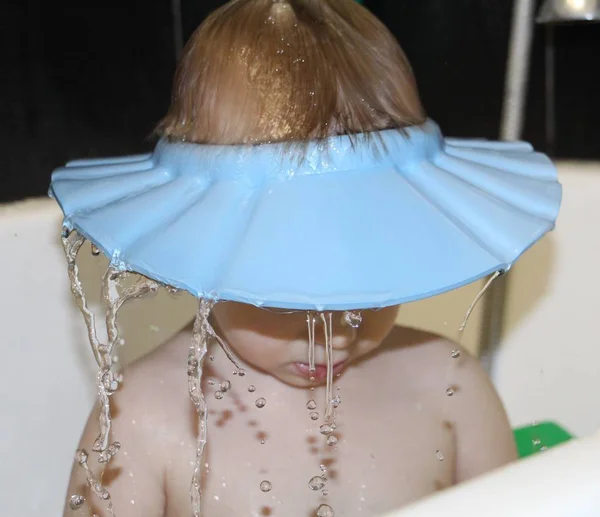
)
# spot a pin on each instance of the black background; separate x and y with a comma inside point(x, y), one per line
point(91, 78)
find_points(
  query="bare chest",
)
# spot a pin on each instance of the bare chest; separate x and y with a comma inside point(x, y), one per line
point(277, 461)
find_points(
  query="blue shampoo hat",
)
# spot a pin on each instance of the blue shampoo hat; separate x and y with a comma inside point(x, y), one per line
point(355, 223)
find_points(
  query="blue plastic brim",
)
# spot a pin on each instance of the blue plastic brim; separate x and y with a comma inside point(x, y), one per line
point(356, 224)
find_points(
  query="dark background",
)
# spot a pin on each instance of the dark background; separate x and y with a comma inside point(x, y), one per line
point(91, 78)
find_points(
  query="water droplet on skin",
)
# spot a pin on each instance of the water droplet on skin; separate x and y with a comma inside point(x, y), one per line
point(353, 319)
point(323, 468)
point(218, 395)
point(225, 386)
point(332, 440)
point(325, 493)
point(325, 511)
point(440, 455)
point(314, 416)
point(317, 483)
point(241, 372)
point(212, 357)
point(266, 486)
point(455, 354)
point(251, 388)
point(260, 403)
point(76, 502)
point(325, 429)
point(311, 404)
point(449, 392)
point(262, 442)
point(336, 401)
point(211, 382)
point(95, 251)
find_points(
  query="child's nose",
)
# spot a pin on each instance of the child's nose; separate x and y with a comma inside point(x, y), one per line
point(342, 335)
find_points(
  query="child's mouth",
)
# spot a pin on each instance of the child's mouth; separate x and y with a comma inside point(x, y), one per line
point(319, 374)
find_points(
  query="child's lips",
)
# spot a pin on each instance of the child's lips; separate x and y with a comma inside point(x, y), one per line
point(319, 374)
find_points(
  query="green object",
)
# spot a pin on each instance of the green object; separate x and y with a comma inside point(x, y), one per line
point(537, 438)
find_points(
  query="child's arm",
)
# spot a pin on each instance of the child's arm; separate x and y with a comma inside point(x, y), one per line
point(484, 437)
point(134, 476)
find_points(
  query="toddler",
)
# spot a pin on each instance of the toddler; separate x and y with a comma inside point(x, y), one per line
point(414, 413)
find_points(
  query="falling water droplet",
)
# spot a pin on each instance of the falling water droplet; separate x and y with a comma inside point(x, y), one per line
point(241, 372)
point(455, 354)
point(95, 251)
point(536, 442)
point(325, 429)
point(266, 486)
point(260, 403)
point(252, 388)
point(225, 386)
point(76, 502)
point(325, 511)
point(353, 319)
point(311, 404)
point(314, 416)
point(218, 395)
point(450, 392)
point(440, 455)
point(332, 440)
point(317, 483)
point(81, 456)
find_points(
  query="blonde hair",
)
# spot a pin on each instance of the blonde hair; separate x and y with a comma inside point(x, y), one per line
point(290, 70)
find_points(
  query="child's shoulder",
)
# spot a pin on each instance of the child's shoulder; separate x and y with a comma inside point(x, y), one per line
point(426, 362)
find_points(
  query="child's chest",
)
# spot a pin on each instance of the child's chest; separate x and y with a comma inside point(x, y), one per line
point(276, 461)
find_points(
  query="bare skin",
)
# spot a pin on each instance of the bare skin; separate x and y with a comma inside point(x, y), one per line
point(400, 436)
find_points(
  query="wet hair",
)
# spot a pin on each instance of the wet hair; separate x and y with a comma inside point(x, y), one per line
point(290, 70)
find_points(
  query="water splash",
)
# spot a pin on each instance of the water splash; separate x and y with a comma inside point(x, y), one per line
point(81, 456)
point(328, 329)
point(107, 382)
point(477, 298)
point(353, 319)
point(196, 355)
point(310, 321)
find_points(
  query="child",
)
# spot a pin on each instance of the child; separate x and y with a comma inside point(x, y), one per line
point(416, 414)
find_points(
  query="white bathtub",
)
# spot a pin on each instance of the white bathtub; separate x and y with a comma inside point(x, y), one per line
point(547, 368)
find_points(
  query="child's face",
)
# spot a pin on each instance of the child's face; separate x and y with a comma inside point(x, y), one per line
point(276, 342)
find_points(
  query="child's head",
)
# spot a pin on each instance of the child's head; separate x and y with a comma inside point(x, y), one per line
point(276, 342)
point(290, 70)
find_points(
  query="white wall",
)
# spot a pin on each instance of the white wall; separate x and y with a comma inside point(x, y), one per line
point(548, 366)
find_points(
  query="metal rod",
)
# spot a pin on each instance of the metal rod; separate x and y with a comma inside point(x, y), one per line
point(550, 91)
point(177, 28)
point(511, 128)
